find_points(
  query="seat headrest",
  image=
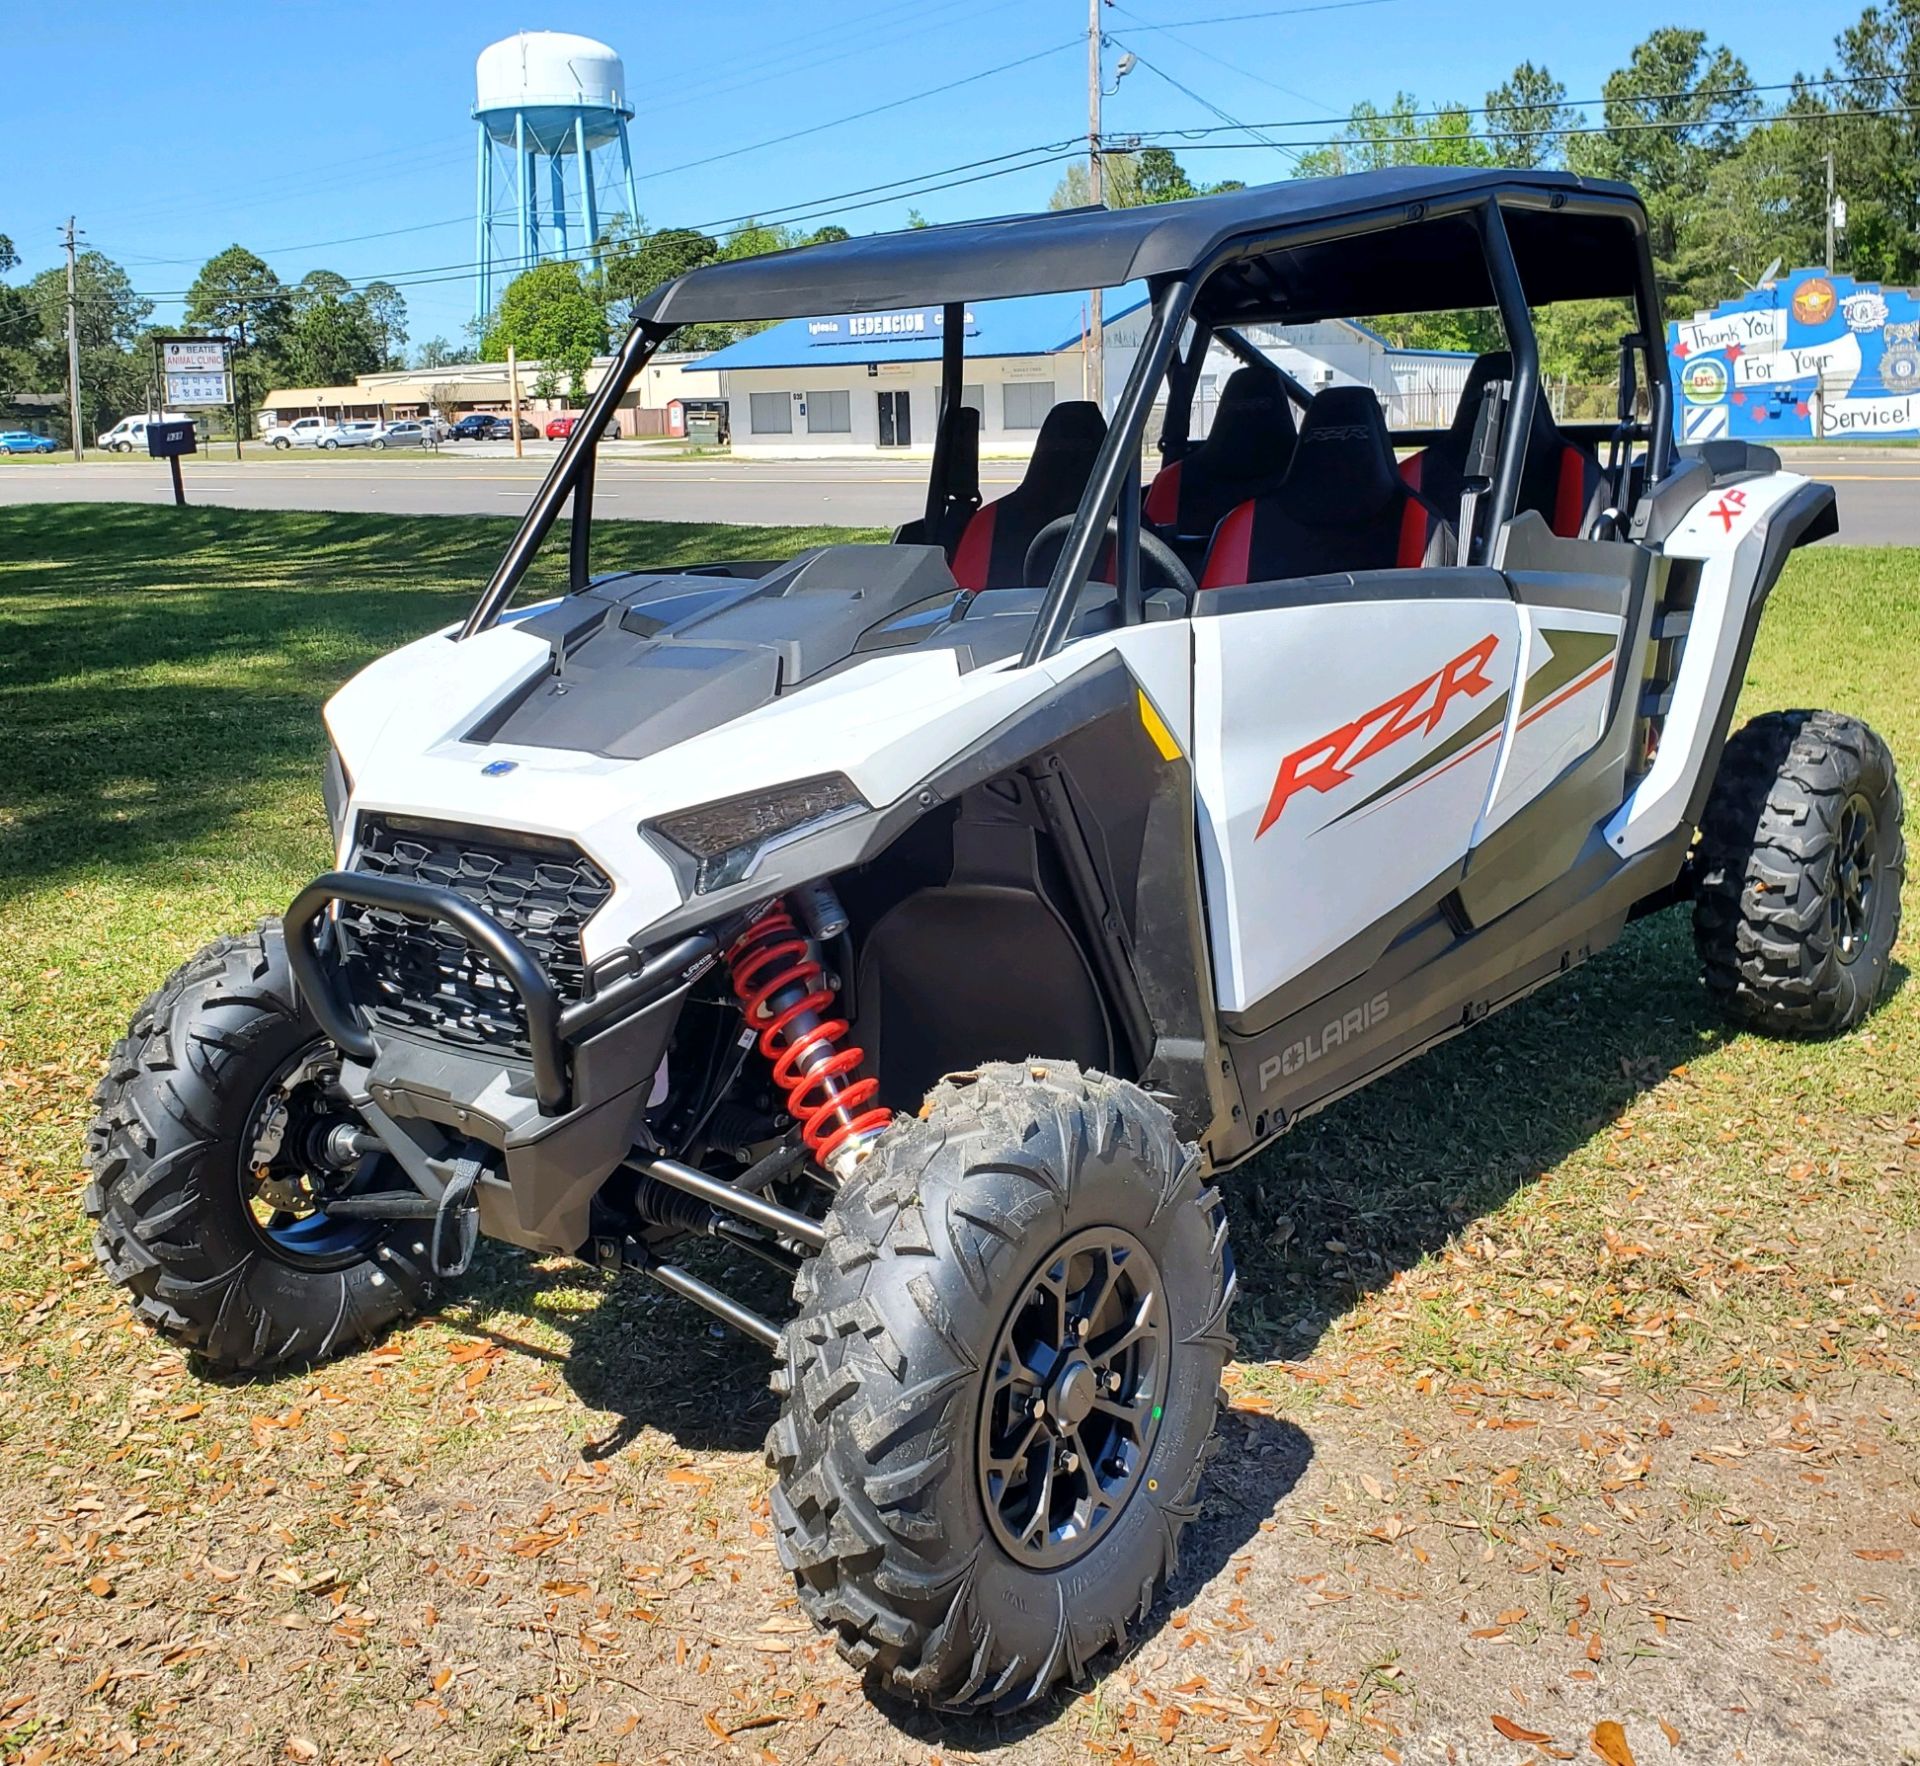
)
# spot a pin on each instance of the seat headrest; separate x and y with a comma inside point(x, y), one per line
point(1253, 429)
point(963, 454)
point(1494, 365)
point(1343, 468)
point(1065, 449)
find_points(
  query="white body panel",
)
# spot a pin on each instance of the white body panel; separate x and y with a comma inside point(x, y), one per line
point(1355, 690)
point(1546, 737)
point(1711, 532)
point(887, 724)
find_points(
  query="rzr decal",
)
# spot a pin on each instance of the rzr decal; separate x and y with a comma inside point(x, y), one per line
point(1575, 661)
point(1329, 760)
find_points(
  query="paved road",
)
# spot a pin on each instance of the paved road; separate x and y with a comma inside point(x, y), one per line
point(1879, 489)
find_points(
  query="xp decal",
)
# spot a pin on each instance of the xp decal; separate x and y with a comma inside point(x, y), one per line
point(1329, 761)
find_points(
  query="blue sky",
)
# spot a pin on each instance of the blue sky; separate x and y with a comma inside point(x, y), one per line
point(291, 126)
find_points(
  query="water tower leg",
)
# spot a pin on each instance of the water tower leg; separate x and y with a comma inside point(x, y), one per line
point(626, 171)
point(526, 207)
point(588, 218)
point(483, 230)
point(557, 167)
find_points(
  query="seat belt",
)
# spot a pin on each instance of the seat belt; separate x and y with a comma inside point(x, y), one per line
point(1482, 454)
point(1606, 524)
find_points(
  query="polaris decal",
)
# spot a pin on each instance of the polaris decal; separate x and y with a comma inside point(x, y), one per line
point(1329, 761)
point(1335, 1033)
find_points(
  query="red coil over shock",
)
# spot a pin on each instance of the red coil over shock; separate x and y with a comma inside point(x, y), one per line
point(785, 993)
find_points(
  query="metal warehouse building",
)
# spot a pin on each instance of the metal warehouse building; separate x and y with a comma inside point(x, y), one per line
point(856, 383)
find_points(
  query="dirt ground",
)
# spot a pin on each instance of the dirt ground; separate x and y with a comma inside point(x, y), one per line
point(537, 1526)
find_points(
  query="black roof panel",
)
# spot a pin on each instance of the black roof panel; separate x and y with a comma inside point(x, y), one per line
point(1102, 248)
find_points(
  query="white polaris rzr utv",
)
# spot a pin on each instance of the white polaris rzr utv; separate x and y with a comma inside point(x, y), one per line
point(938, 920)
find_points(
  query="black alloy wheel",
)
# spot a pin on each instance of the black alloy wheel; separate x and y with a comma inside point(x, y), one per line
point(1073, 1397)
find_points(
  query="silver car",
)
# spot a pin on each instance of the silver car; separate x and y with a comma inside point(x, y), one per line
point(408, 433)
point(360, 433)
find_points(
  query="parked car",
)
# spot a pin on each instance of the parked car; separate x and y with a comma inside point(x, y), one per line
point(491, 426)
point(559, 428)
point(24, 441)
point(302, 432)
point(362, 432)
point(131, 432)
point(408, 433)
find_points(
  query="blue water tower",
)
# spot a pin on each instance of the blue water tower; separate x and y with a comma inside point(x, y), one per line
point(544, 98)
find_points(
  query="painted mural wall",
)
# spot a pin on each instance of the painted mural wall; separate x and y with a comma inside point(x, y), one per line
point(1809, 348)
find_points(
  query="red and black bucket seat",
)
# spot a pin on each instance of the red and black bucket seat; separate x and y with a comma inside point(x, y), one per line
point(1245, 454)
point(1342, 506)
point(992, 551)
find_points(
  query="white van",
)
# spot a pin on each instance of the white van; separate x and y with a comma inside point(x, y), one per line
point(131, 432)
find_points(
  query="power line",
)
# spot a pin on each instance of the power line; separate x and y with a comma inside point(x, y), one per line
point(872, 111)
point(1698, 93)
point(1350, 140)
point(1245, 73)
point(1237, 18)
point(1232, 121)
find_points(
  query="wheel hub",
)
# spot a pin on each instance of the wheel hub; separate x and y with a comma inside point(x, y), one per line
point(1074, 1390)
point(1073, 1397)
point(1850, 899)
point(285, 1174)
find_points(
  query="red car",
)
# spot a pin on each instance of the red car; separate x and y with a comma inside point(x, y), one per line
point(559, 428)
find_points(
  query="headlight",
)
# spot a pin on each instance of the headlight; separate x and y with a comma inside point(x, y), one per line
point(726, 837)
point(335, 789)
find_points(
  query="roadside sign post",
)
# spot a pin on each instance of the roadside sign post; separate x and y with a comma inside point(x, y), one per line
point(168, 441)
point(197, 372)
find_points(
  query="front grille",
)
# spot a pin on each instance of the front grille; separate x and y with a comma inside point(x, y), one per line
point(419, 975)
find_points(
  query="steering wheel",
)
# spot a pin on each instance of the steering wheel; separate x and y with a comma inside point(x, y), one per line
point(1153, 550)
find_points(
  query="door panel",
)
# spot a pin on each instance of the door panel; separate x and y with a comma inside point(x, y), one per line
point(1567, 660)
point(1343, 756)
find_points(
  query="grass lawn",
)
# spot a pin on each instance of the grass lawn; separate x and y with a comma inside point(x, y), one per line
point(1577, 1370)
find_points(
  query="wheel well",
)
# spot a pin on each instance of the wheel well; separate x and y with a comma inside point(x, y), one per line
point(971, 944)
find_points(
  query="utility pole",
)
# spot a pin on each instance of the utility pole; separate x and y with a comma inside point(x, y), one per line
point(1829, 211)
point(73, 352)
point(513, 399)
point(1096, 333)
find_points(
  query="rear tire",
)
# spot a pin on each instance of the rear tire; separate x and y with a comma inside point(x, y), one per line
point(173, 1224)
point(1800, 865)
point(1022, 1198)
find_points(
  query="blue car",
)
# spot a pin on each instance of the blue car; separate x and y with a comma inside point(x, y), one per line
point(24, 441)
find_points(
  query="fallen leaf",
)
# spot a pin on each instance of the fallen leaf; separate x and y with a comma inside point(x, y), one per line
point(1514, 1732)
point(99, 1585)
point(1610, 1743)
point(1373, 1487)
point(1672, 1734)
point(1891, 1554)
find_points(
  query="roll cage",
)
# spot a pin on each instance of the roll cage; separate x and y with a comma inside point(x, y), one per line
point(1406, 240)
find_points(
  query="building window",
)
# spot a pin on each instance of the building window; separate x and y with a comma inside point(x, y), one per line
point(771, 413)
point(828, 413)
point(1025, 403)
point(972, 398)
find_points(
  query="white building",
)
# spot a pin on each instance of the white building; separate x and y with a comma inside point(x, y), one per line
point(857, 383)
point(852, 383)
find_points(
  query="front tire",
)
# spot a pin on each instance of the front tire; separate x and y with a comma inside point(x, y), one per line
point(1800, 864)
point(1001, 1389)
point(177, 1223)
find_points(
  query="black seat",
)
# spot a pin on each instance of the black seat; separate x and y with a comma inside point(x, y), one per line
point(1245, 454)
point(1561, 480)
point(992, 551)
point(1343, 505)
